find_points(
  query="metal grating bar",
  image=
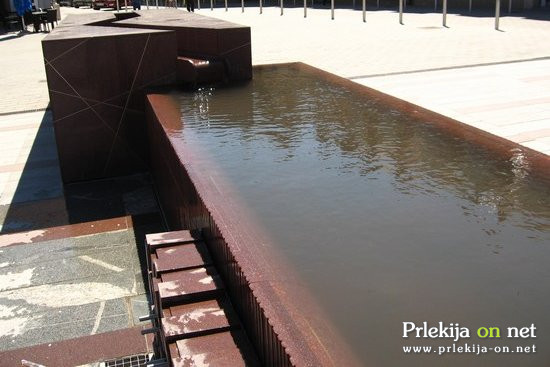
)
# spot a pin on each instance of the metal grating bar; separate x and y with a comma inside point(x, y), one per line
point(139, 360)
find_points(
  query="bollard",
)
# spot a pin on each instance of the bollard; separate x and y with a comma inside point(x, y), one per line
point(282, 7)
point(211, 5)
point(400, 11)
point(147, 4)
point(242, 6)
point(332, 9)
point(261, 7)
point(225, 5)
point(305, 8)
point(497, 14)
point(157, 1)
point(364, 11)
point(445, 13)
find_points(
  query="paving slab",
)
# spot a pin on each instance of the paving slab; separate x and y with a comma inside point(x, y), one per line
point(35, 314)
point(90, 348)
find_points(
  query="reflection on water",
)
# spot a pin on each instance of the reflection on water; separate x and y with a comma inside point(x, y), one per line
point(389, 220)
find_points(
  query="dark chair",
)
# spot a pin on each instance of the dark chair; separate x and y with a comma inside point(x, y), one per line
point(11, 22)
point(40, 20)
point(28, 19)
point(51, 16)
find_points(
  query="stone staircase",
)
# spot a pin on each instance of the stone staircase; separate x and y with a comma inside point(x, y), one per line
point(192, 318)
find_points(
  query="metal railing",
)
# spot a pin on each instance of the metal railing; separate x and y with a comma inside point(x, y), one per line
point(401, 8)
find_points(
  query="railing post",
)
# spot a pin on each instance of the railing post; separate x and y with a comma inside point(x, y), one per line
point(364, 11)
point(400, 11)
point(332, 9)
point(225, 5)
point(509, 6)
point(282, 7)
point(242, 6)
point(305, 8)
point(211, 5)
point(261, 7)
point(470, 6)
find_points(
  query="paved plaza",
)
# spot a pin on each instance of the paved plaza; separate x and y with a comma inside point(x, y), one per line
point(498, 81)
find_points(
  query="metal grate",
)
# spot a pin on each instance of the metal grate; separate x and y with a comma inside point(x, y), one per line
point(139, 360)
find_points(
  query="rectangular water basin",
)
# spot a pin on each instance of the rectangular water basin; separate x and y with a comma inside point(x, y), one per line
point(373, 211)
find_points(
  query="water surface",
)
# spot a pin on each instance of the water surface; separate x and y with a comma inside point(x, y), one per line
point(387, 219)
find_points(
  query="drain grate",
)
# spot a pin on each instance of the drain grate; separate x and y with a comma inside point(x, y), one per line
point(139, 360)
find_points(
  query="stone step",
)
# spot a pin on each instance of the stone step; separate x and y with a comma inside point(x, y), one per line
point(164, 239)
point(191, 305)
point(197, 319)
point(180, 257)
point(226, 349)
point(189, 286)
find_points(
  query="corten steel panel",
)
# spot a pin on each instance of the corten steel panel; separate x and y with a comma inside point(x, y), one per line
point(199, 41)
point(198, 320)
point(283, 323)
point(229, 348)
point(181, 257)
point(203, 37)
point(96, 87)
point(166, 239)
point(234, 47)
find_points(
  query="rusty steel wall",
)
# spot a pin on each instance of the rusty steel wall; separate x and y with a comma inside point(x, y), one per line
point(184, 208)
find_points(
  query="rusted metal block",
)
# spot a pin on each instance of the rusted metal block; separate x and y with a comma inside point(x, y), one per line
point(195, 319)
point(181, 257)
point(226, 349)
point(156, 240)
point(189, 286)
